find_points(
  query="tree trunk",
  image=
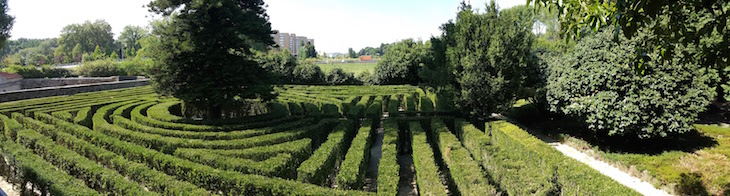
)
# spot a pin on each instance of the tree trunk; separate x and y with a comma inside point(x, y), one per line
point(214, 112)
point(720, 90)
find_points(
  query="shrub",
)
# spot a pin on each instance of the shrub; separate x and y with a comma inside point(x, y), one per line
point(601, 83)
point(45, 71)
point(308, 73)
point(100, 68)
point(338, 77)
point(401, 63)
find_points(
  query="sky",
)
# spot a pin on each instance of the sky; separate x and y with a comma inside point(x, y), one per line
point(335, 25)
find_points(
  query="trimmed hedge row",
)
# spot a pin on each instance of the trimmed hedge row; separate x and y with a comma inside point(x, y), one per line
point(299, 149)
point(64, 115)
point(551, 171)
point(323, 162)
point(161, 112)
point(411, 103)
point(355, 164)
point(330, 111)
point(388, 168)
point(83, 117)
point(152, 179)
point(225, 182)
point(27, 167)
point(375, 110)
point(295, 109)
point(10, 127)
point(467, 174)
point(358, 110)
point(393, 105)
point(283, 124)
point(280, 165)
point(97, 177)
point(427, 107)
point(276, 110)
point(427, 172)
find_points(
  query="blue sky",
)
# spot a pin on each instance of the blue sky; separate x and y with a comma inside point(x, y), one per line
point(336, 25)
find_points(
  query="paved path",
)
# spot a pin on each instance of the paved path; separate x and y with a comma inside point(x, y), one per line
point(7, 187)
point(610, 171)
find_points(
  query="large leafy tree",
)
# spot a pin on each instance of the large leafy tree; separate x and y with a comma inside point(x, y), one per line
point(6, 22)
point(489, 53)
point(87, 37)
point(130, 39)
point(402, 63)
point(703, 25)
point(204, 54)
point(351, 53)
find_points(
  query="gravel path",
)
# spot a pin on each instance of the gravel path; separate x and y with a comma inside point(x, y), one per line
point(7, 187)
point(610, 171)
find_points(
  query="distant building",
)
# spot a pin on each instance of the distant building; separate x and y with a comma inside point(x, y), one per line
point(366, 58)
point(9, 82)
point(290, 41)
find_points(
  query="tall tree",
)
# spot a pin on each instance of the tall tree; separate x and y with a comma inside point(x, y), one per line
point(87, 36)
point(402, 63)
point(6, 22)
point(204, 52)
point(130, 38)
point(352, 53)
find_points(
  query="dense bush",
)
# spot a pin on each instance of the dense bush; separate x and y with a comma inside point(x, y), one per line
point(45, 71)
point(598, 83)
point(338, 76)
point(489, 52)
point(280, 63)
point(100, 68)
point(402, 63)
point(308, 73)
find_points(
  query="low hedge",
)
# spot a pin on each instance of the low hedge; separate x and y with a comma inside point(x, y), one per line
point(375, 111)
point(427, 107)
point(469, 179)
point(64, 115)
point(161, 112)
point(83, 117)
point(283, 124)
point(358, 110)
point(152, 179)
point(219, 181)
point(295, 109)
point(388, 168)
point(355, 164)
point(330, 111)
point(323, 162)
point(96, 176)
point(427, 172)
point(542, 169)
point(281, 165)
point(29, 167)
point(10, 127)
point(299, 149)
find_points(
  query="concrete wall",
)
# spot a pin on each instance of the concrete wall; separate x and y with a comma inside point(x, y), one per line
point(12, 85)
point(53, 82)
point(68, 90)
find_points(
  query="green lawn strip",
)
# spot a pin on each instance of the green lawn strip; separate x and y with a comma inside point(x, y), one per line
point(224, 181)
point(152, 179)
point(468, 176)
point(355, 164)
point(427, 172)
point(388, 168)
point(354, 68)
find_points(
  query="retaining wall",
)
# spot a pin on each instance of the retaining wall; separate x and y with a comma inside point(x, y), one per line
point(53, 82)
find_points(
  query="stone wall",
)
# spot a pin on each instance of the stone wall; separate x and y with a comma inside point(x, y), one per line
point(53, 82)
point(69, 90)
point(13, 85)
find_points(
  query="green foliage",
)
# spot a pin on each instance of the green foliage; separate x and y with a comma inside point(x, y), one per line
point(45, 71)
point(279, 62)
point(6, 22)
point(354, 166)
point(85, 38)
point(204, 54)
point(596, 82)
point(402, 62)
point(100, 68)
point(130, 39)
point(323, 162)
point(339, 77)
point(427, 172)
point(351, 53)
point(489, 53)
point(388, 168)
point(308, 73)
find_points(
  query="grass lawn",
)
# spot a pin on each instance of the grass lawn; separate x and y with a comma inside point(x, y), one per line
point(696, 163)
point(355, 68)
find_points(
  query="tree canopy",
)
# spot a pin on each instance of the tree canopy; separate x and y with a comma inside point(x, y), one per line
point(204, 54)
point(86, 37)
point(6, 22)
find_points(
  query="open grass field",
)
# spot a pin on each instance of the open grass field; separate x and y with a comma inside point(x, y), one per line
point(314, 140)
point(697, 163)
point(355, 68)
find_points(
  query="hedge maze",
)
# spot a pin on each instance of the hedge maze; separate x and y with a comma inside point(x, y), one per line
point(312, 140)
